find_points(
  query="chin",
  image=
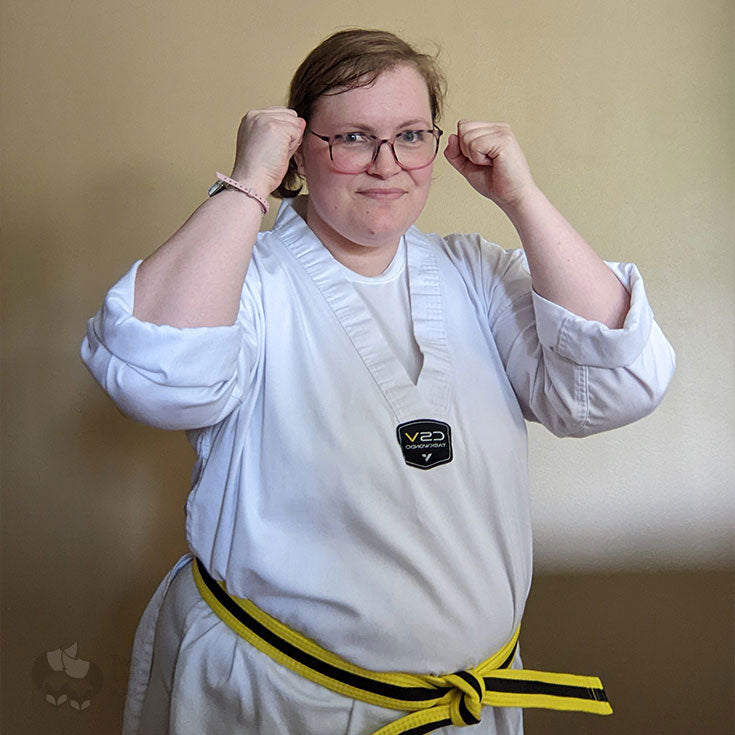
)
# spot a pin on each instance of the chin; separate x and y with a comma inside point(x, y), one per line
point(381, 226)
point(376, 237)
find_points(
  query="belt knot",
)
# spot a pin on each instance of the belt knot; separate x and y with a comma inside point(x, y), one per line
point(465, 706)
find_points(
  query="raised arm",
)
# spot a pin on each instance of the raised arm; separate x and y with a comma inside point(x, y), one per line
point(564, 268)
point(195, 278)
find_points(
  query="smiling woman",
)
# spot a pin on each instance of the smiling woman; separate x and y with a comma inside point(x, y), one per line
point(357, 392)
point(350, 59)
point(361, 216)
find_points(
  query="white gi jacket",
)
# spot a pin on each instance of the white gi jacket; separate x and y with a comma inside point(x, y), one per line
point(301, 499)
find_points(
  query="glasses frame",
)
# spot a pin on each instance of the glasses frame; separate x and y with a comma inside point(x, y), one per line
point(436, 131)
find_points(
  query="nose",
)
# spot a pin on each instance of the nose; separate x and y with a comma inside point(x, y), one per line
point(384, 163)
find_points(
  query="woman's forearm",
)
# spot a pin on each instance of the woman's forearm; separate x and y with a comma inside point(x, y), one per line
point(195, 278)
point(564, 268)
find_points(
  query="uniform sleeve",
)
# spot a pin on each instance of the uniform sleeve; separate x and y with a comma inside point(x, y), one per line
point(575, 376)
point(165, 376)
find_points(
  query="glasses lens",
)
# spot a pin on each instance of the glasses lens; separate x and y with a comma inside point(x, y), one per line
point(415, 148)
point(354, 152)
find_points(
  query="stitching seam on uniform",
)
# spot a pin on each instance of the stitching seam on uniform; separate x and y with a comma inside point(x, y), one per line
point(582, 397)
point(581, 392)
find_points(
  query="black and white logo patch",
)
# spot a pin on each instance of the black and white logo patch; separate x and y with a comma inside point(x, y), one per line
point(425, 443)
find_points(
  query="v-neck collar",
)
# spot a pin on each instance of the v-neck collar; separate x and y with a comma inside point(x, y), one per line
point(431, 395)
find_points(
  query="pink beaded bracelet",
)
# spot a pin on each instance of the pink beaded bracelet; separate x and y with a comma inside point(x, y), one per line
point(245, 190)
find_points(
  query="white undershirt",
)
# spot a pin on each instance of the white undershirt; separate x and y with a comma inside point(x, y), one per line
point(387, 299)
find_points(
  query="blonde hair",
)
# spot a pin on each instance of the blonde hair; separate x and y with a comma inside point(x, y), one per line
point(349, 59)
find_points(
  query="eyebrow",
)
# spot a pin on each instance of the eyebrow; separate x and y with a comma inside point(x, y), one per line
point(371, 129)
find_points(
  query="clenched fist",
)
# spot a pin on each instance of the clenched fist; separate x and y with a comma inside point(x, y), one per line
point(489, 157)
point(266, 140)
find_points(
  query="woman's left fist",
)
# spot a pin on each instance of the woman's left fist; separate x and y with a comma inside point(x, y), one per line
point(489, 157)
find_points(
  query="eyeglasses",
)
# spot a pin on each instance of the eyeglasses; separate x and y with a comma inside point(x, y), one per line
point(353, 153)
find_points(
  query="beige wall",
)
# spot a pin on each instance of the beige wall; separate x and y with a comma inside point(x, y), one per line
point(115, 117)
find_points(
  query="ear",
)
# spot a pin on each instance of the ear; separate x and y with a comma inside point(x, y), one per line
point(298, 158)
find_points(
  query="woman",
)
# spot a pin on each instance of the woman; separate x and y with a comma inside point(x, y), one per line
point(356, 393)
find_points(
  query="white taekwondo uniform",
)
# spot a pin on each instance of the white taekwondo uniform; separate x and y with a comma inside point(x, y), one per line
point(302, 500)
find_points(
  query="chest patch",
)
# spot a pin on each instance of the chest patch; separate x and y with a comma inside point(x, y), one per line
point(425, 443)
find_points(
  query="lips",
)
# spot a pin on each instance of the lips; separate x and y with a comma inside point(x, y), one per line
point(382, 194)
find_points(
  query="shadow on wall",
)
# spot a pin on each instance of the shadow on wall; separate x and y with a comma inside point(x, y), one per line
point(662, 643)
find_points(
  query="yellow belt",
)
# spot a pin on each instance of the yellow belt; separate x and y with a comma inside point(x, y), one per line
point(432, 701)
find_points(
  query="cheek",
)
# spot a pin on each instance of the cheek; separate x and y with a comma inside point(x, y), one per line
point(332, 195)
point(422, 182)
point(323, 182)
point(422, 177)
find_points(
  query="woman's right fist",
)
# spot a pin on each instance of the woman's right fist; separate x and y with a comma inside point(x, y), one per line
point(266, 140)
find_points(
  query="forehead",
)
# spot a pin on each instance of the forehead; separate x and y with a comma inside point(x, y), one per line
point(397, 95)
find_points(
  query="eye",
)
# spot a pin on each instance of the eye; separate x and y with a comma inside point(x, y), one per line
point(352, 139)
point(412, 137)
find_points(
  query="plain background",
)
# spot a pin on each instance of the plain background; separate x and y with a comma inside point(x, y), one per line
point(115, 117)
